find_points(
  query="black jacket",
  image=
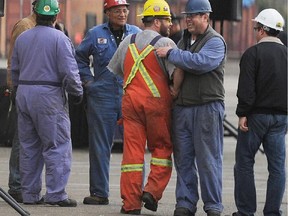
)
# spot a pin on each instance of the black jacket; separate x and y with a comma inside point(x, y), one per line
point(262, 86)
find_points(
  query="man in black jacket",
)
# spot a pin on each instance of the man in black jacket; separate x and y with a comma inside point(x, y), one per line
point(175, 30)
point(262, 112)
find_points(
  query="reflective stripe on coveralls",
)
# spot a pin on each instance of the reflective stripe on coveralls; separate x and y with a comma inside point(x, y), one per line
point(138, 65)
point(161, 162)
point(147, 121)
point(132, 168)
point(139, 167)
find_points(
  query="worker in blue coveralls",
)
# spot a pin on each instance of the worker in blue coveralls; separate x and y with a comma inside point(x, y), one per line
point(104, 93)
point(43, 67)
point(199, 112)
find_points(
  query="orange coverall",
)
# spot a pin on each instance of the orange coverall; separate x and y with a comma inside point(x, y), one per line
point(146, 109)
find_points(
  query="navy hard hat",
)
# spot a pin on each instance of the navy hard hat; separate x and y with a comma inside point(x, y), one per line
point(197, 6)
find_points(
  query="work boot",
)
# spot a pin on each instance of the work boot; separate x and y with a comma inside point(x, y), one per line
point(150, 202)
point(238, 214)
point(39, 202)
point(17, 196)
point(181, 211)
point(213, 213)
point(132, 212)
point(64, 203)
point(95, 200)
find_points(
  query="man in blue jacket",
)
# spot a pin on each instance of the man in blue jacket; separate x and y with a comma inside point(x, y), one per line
point(198, 113)
point(104, 93)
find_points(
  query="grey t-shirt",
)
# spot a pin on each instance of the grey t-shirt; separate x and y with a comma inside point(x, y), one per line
point(143, 39)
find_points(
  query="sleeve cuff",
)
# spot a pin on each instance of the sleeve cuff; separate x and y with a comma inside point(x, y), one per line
point(168, 53)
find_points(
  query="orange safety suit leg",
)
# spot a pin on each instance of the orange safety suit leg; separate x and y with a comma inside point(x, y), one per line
point(150, 118)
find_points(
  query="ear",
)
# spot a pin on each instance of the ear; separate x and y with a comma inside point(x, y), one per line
point(157, 23)
point(262, 31)
point(107, 13)
point(206, 16)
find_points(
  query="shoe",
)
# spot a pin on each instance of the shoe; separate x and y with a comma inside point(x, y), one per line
point(181, 211)
point(213, 213)
point(150, 202)
point(39, 202)
point(238, 214)
point(64, 203)
point(16, 196)
point(132, 212)
point(95, 200)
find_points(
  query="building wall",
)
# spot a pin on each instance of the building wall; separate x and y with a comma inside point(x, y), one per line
point(72, 15)
point(76, 15)
point(238, 35)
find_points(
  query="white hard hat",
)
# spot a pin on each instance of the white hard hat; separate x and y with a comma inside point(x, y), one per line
point(270, 18)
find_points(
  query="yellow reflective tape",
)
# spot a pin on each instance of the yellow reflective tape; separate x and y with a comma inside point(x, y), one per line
point(137, 60)
point(161, 162)
point(132, 168)
point(149, 82)
point(133, 71)
point(139, 65)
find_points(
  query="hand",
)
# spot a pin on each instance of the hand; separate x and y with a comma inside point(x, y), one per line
point(243, 125)
point(162, 51)
point(76, 100)
point(120, 121)
point(85, 84)
point(174, 92)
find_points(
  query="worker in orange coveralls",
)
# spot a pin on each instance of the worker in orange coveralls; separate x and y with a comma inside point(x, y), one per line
point(146, 109)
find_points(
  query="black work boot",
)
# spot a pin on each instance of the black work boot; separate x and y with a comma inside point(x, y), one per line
point(181, 211)
point(95, 200)
point(132, 212)
point(150, 202)
point(213, 213)
point(64, 203)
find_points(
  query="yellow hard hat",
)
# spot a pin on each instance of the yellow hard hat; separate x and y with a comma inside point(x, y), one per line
point(156, 8)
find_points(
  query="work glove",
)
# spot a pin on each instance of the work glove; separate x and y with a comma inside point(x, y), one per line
point(76, 100)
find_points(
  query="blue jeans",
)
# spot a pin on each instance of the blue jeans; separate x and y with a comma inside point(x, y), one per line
point(104, 99)
point(269, 130)
point(14, 172)
point(198, 147)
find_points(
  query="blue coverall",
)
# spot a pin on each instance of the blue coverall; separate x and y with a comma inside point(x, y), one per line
point(104, 98)
point(43, 65)
point(198, 133)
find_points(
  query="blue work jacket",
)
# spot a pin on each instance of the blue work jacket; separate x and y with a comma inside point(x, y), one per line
point(100, 43)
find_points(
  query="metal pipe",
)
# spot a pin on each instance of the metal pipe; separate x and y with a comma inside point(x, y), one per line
point(12, 202)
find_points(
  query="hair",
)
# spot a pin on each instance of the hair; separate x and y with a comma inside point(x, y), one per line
point(148, 20)
point(269, 31)
point(45, 20)
point(175, 21)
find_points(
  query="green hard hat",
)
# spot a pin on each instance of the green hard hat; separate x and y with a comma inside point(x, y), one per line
point(47, 7)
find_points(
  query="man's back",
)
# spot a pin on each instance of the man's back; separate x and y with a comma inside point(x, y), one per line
point(268, 64)
point(40, 49)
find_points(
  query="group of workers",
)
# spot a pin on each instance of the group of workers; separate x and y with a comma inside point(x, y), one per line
point(168, 97)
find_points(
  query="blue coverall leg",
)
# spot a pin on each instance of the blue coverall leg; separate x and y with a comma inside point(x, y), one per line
point(44, 134)
point(103, 110)
point(198, 146)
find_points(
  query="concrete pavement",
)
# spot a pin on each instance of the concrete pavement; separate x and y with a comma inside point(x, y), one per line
point(78, 186)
